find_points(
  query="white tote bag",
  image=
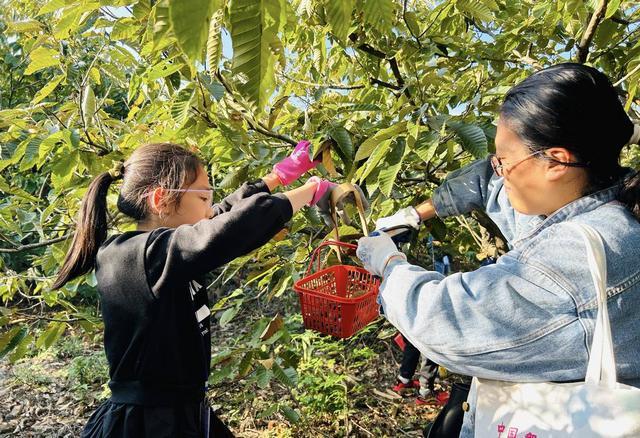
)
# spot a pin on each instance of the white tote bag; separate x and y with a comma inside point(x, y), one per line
point(599, 407)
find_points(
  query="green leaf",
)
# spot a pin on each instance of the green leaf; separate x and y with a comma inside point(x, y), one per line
point(263, 377)
point(287, 377)
point(475, 9)
point(245, 364)
point(51, 6)
point(11, 339)
point(47, 89)
point(291, 414)
point(88, 104)
point(51, 334)
point(341, 136)
point(229, 314)
point(215, 88)
point(368, 146)
point(190, 23)
point(426, 145)
point(254, 33)
point(214, 42)
point(42, 57)
point(472, 137)
point(612, 8)
point(371, 164)
point(181, 105)
point(380, 14)
point(389, 172)
point(338, 13)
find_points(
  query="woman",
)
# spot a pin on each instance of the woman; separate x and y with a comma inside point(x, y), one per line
point(530, 317)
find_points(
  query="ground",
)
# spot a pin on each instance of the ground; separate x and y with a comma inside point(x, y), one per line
point(343, 391)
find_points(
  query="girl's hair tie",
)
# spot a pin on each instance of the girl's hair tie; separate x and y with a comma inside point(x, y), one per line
point(117, 171)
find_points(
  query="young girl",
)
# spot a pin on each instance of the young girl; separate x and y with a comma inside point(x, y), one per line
point(154, 305)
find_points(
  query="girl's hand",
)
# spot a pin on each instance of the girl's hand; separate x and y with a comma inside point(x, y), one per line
point(322, 192)
point(296, 164)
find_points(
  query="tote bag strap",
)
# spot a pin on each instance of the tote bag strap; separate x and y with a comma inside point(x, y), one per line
point(602, 367)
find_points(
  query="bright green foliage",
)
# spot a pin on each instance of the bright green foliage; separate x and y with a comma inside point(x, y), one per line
point(407, 90)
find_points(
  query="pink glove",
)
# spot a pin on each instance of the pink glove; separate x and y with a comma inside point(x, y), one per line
point(323, 191)
point(296, 164)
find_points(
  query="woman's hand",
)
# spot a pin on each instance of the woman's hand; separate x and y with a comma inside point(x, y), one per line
point(406, 216)
point(296, 164)
point(376, 251)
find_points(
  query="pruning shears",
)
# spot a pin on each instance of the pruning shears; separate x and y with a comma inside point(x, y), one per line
point(399, 233)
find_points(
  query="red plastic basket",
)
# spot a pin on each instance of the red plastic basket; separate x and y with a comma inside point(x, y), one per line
point(338, 300)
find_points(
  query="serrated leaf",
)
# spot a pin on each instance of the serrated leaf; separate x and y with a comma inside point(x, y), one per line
point(338, 13)
point(369, 145)
point(190, 23)
point(21, 349)
point(287, 377)
point(475, 9)
point(472, 138)
point(41, 58)
point(379, 14)
point(426, 145)
point(30, 154)
point(181, 105)
point(389, 171)
point(254, 33)
point(51, 334)
point(10, 340)
point(375, 158)
point(343, 140)
point(263, 377)
point(215, 88)
point(214, 42)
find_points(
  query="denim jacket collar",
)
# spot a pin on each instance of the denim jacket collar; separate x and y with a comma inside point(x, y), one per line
point(572, 209)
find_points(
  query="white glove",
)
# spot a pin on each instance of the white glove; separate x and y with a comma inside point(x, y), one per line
point(375, 252)
point(406, 216)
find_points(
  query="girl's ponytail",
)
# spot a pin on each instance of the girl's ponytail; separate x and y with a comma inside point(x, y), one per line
point(91, 229)
point(630, 191)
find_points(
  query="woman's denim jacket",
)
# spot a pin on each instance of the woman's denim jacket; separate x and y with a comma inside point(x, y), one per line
point(530, 317)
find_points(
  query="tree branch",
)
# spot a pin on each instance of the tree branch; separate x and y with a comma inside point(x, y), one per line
point(255, 125)
point(393, 63)
point(33, 245)
point(587, 37)
point(331, 86)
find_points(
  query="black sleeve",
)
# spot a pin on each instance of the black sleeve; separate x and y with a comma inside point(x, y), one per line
point(189, 251)
point(244, 191)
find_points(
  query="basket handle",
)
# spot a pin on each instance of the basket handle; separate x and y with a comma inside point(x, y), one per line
point(326, 243)
point(337, 195)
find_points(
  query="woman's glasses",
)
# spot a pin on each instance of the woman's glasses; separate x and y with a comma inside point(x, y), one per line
point(499, 167)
